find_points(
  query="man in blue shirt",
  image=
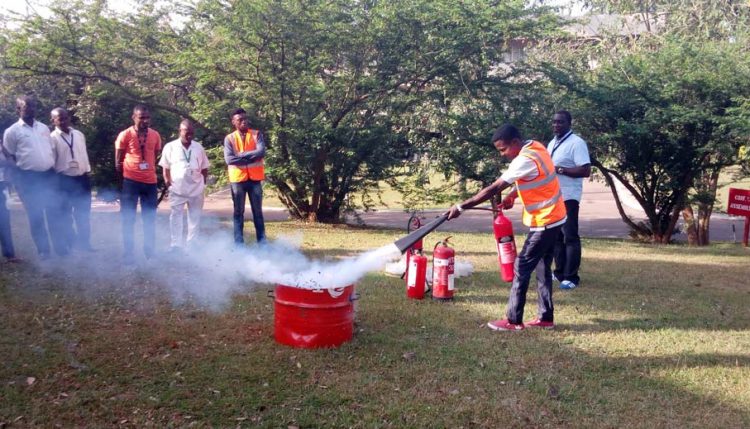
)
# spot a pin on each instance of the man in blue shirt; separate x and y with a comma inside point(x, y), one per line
point(570, 155)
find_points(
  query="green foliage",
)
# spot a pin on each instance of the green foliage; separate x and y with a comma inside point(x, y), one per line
point(453, 127)
point(346, 90)
point(662, 110)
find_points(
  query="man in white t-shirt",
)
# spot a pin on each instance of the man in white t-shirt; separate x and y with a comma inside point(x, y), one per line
point(570, 155)
point(185, 168)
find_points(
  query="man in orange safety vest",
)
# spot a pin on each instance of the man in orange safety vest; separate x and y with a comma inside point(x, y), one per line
point(532, 172)
point(244, 149)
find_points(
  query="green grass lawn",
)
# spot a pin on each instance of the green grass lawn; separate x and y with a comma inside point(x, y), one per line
point(654, 337)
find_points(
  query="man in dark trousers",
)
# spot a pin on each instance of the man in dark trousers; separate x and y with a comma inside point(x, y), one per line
point(136, 151)
point(532, 172)
point(244, 150)
point(29, 146)
point(73, 168)
point(570, 155)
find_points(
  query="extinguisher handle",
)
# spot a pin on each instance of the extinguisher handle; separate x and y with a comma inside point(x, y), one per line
point(354, 296)
point(270, 294)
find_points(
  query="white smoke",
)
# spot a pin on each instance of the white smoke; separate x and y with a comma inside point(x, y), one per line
point(213, 271)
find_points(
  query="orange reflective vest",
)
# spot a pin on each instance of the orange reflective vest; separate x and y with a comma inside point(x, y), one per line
point(542, 199)
point(254, 171)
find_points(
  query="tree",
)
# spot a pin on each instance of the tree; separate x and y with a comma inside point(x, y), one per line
point(336, 84)
point(661, 107)
point(658, 121)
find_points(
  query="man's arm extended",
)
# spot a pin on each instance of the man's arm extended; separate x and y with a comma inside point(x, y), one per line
point(485, 194)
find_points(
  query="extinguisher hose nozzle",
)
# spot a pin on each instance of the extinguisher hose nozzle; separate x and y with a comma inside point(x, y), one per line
point(406, 242)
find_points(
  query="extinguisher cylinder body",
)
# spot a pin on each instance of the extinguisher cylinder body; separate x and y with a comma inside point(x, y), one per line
point(415, 249)
point(416, 276)
point(443, 272)
point(506, 246)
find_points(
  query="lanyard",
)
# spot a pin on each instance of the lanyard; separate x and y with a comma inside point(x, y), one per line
point(142, 143)
point(69, 143)
point(558, 143)
point(186, 155)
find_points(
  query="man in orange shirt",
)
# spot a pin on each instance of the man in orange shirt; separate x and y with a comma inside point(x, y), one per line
point(136, 151)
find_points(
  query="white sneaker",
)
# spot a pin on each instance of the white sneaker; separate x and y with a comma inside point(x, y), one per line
point(567, 285)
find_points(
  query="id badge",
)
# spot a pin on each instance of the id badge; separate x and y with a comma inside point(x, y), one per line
point(73, 164)
point(143, 166)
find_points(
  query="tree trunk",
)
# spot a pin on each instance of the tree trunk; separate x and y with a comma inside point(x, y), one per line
point(639, 230)
point(706, 207)
point(690, 228)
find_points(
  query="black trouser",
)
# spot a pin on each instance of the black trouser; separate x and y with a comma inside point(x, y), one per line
point(254, 189)
point(568, 246)
point(76, 207)
point(536, 255)
point(132, 191)
point(41, 198)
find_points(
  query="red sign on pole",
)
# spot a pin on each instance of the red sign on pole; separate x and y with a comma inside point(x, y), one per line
point(739, 205)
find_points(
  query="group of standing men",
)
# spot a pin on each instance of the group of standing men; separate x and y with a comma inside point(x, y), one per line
point(549, 182)
point(50, 171)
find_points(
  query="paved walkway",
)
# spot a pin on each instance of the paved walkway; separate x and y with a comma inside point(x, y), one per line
point(598, 216)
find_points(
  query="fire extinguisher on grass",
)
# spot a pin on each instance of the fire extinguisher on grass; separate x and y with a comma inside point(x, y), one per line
point(414, 224)
point(416, 276)
point(506, 245)
point(443, 271)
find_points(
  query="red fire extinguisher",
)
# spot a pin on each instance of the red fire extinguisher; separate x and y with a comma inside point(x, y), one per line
point(414, 224)
point(443, 271)
point(416, 276)
point(506, 245)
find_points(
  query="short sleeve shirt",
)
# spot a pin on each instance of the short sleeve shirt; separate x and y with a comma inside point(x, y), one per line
point(71, 158)
point(185, 166)
point(140, 159)
point(570, 152)
point(31, 145)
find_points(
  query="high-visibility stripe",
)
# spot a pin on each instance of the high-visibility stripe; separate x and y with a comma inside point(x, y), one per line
point(541, 197)
point(532, 185)
point(254, 171)
point(544, 204)
point(538, 159)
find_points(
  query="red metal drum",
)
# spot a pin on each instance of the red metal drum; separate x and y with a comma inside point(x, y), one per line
point(315, 318)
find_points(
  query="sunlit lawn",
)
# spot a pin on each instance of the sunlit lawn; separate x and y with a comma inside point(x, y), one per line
point(654, 337)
